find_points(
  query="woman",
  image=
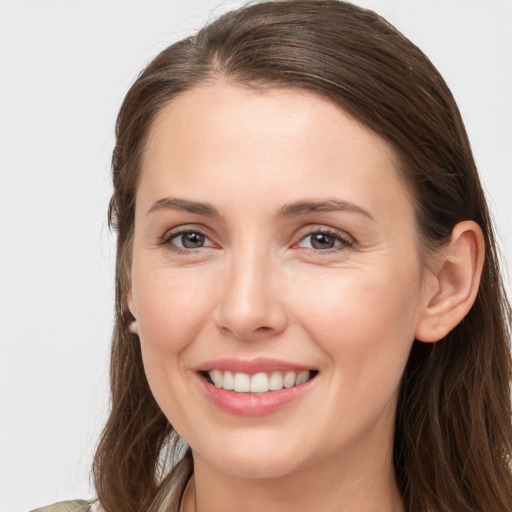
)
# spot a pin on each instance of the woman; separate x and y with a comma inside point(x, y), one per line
point(309, 306)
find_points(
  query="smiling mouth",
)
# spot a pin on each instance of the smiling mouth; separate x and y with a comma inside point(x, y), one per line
point(262, 382)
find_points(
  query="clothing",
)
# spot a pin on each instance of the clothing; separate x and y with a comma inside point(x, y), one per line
point(71, 506)
point(168, 498)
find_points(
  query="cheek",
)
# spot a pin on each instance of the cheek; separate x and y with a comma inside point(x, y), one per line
point(365, 322)
point(171, 311)
point(170, 307)
point(359, 300)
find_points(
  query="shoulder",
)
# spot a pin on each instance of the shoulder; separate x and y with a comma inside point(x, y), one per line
point(71, 506)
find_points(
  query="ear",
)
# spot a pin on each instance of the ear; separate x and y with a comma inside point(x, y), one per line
point(131, 304)
point(454, 282)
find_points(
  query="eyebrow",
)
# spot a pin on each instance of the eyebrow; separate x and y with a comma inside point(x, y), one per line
point(328, 205)
point(289, 210)
point(173, 203)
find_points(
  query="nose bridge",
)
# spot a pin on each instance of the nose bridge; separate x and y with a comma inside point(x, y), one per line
point(251, 305)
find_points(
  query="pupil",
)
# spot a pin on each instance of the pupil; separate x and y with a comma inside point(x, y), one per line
point(192, 240)
point(322, 241)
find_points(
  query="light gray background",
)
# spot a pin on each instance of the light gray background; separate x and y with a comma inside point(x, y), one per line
point(64, 68)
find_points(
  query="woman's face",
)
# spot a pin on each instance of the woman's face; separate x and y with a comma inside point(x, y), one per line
point(274, 244)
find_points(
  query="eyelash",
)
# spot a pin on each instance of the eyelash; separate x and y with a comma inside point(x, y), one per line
point(168, 237)
point(345, 241)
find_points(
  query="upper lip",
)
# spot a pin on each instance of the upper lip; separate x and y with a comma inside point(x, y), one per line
point(252, 366)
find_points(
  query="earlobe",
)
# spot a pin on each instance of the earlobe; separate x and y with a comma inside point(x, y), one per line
point(133, 327)
point(454, 284)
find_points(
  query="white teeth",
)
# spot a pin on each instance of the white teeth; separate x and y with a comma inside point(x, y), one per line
point(259, 382)
point(275, 382)
point(301, 378)
point(216, 376)
point(242, 383)
point(229, 381)
point(289, 379)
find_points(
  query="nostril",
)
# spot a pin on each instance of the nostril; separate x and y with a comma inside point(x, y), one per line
point(246, 332)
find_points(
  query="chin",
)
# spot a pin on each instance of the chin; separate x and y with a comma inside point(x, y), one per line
point(254, 462)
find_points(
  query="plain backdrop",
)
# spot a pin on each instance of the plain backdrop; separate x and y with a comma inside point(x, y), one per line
point(64, 68)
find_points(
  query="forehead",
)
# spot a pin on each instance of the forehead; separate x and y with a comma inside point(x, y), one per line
point(219, 138)
point(236, 111)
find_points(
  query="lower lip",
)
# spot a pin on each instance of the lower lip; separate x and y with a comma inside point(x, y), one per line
point(251, 405)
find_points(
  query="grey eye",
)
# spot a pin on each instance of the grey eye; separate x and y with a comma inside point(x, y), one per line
point(322, 241)
point(189, 240)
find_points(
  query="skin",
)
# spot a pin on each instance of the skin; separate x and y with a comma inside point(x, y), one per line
point(258, 287)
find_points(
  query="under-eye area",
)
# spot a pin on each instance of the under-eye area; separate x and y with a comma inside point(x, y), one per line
point(261, 382)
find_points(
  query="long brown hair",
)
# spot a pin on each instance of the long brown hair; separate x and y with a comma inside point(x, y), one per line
point(453, 433)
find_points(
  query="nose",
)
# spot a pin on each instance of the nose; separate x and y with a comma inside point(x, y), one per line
point(251, 306)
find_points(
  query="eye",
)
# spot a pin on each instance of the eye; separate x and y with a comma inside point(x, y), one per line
point(187, 239)
point(323, 240)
